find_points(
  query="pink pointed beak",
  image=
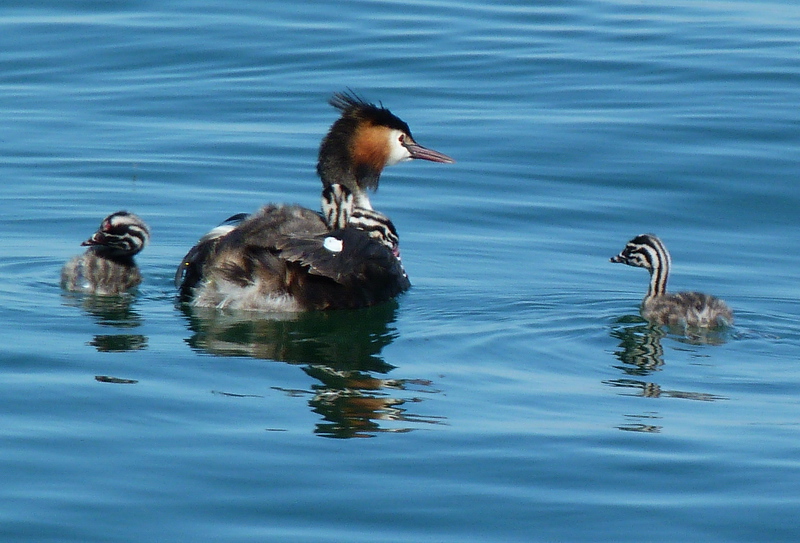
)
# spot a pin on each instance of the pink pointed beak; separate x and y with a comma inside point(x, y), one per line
point(417, 151)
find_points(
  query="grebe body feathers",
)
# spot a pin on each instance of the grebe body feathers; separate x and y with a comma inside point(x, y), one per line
point(284, 258)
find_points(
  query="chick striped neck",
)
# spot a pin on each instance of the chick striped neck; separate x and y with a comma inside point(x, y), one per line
point(376, 225)
point(337, 206)
point(340, 209)
point(659, 262)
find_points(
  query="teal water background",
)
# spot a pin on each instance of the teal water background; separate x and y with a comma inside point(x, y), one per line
point(513, 395)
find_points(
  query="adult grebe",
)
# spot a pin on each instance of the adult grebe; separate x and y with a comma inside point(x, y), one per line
point(290, 258)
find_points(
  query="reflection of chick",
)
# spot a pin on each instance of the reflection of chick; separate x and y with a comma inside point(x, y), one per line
point(641, 348)
point(107, 266)
point(683, 308)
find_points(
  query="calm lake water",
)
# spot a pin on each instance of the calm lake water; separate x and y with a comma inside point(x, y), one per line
point(513, 394)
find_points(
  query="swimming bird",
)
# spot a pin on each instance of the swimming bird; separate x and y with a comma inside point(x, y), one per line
point(290, 258)
point(107, 266)
point(687, 309)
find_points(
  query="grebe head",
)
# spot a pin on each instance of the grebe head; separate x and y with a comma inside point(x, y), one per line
point(644, 251)
point(362, 142)
point(121, 234)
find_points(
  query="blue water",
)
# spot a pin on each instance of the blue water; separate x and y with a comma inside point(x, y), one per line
point(513, 394)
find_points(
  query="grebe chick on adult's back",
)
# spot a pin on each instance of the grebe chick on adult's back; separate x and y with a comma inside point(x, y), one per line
point(290, 258)
point(107, 266)
point(688, 309)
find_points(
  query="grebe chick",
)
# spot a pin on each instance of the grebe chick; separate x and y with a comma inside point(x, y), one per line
point(687, 309)
point(290, 258)
point(107, 266)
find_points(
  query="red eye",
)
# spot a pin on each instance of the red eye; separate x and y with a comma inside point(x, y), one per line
point(402, 138)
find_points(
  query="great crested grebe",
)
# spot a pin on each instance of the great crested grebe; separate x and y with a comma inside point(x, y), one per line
point(687, 309)
point(290, 258)
point(107, 266)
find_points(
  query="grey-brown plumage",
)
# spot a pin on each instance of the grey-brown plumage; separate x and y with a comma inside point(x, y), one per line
point(285, 258)
point(289, 258)
point(688, 309)
point(107, 266)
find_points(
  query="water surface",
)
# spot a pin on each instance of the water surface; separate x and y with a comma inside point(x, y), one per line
point(513, 394)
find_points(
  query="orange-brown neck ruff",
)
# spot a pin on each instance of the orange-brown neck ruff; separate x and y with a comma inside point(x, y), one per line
point(369, 149)
point(352, 153)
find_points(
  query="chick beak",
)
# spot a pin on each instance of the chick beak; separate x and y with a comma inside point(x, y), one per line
point(98, 238)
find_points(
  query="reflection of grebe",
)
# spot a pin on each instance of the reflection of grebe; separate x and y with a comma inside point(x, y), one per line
point(107, 266)
point(358, 404)
point(340, 351)
point(692, 309)
point(290, 258)
point(641, 352)
point(642, 355)
point(343, 340)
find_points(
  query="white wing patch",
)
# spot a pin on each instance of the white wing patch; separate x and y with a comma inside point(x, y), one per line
point(333, 244)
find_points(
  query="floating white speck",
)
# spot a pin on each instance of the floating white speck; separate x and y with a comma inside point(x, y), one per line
point(333, 244)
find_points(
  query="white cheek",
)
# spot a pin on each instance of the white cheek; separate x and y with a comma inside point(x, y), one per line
point(397, 153)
